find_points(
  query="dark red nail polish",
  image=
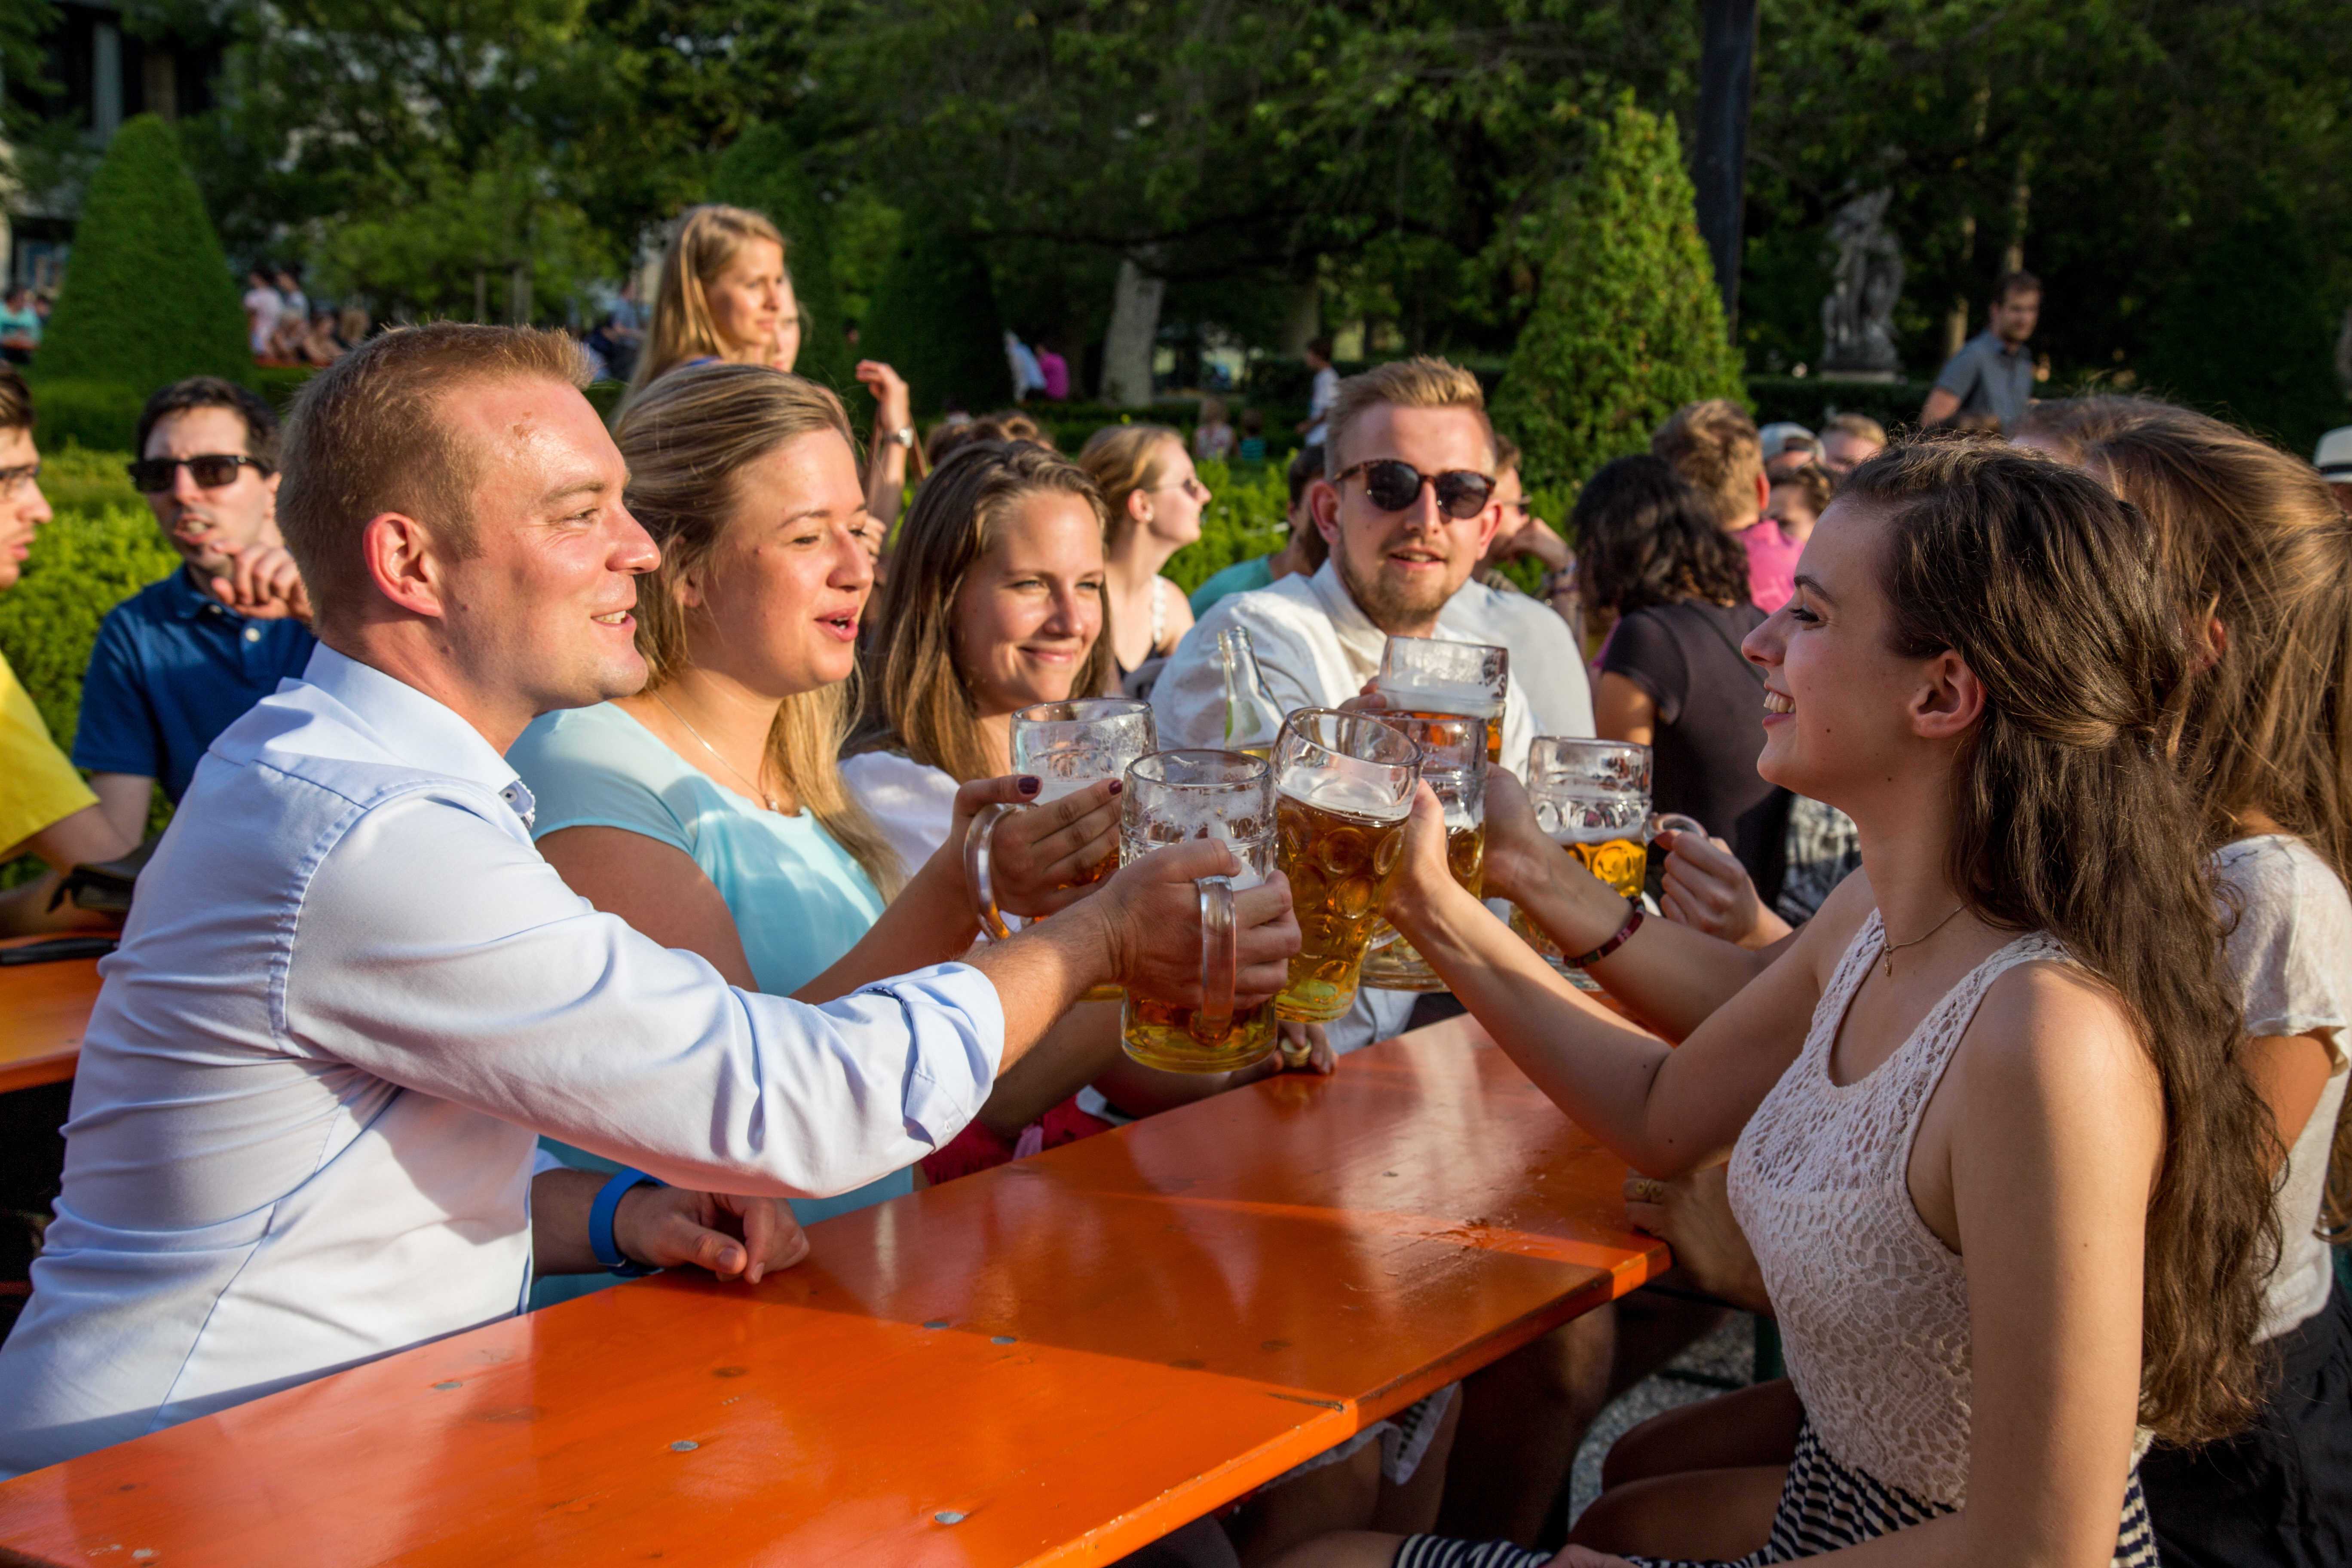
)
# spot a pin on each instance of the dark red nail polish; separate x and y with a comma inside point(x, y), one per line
point(1117, 786)
point(1031, 785)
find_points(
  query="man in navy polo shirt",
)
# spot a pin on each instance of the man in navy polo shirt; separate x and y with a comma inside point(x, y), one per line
point(182, 659)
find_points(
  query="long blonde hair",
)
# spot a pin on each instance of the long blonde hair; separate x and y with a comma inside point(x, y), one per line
point(686, 439)
point(921, 697)
point(707, 243)
point(1122, 459)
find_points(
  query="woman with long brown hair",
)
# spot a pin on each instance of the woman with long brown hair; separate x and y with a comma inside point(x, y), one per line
point(708, 809)
point(1992, 1137)
point(726, 297)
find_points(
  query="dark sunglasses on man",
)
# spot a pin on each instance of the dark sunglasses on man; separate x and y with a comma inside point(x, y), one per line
point(1392, 486)
point(210, 472)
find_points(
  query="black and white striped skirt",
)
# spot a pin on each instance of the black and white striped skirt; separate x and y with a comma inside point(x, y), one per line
point(1823, 1506)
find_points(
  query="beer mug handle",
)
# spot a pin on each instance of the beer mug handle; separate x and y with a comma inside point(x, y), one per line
point(1220, 957)
point(1672, 822)
point(979, 843)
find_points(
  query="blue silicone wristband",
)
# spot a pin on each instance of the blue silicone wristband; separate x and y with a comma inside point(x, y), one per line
point(600, 1223)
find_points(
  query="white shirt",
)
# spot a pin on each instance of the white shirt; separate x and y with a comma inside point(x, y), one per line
point(348, 995)
point(1326, 392)
point(2290, 951)
point(1318, 650)
point(912, 802)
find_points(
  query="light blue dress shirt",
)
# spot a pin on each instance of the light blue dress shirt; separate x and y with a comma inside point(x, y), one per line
point(348, 995)
point(799, 900)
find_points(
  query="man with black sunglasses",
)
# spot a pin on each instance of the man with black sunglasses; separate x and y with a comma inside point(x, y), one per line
point(1408, 504)
point(179, 661)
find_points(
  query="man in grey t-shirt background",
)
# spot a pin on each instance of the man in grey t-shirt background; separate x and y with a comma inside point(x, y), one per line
point(1992, 373)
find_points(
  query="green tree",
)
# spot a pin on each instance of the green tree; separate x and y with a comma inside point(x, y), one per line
point(148, 296)
point(2246, 333)
point(762, 171)
point(934, 321)
point(1627, 325)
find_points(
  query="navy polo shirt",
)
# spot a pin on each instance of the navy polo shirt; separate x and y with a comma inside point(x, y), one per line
point(173, 668)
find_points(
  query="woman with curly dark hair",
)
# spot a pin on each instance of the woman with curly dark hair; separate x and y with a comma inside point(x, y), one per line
point(1670, 587)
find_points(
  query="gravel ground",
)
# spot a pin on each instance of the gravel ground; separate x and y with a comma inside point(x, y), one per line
point(1729, 1353)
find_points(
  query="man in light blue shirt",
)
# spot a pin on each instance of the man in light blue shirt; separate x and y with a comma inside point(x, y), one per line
point(350, 993)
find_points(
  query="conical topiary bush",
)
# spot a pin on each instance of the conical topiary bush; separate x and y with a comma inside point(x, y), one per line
point(934, 321)
point(148, 298)
point(1627, 325)
point(762, 171)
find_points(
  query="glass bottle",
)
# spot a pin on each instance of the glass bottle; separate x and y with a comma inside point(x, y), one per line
point(1253, 718)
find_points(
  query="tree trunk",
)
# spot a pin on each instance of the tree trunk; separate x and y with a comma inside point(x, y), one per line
point(1134, 332)
point(1304, 324)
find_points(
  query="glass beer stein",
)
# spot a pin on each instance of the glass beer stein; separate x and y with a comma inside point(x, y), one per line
point(1430, 677)
point(1172, 796)
point(1068, 745)
point(1591, 798)
point(1343, 784)
point(1453, 765)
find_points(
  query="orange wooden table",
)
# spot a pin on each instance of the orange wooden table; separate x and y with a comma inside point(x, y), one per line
point(1055, 1361)
point(44, 1007)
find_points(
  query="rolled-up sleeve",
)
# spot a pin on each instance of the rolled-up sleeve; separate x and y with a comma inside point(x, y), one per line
point(520, 1000)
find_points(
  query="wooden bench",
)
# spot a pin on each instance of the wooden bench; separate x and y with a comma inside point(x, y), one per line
point(1056, 1362)
point(44, 1008)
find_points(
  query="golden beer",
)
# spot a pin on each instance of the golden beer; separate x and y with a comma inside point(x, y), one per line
point(1339, 864)
point(1170, 1037)
point(1173, 796)
point(1393, 963)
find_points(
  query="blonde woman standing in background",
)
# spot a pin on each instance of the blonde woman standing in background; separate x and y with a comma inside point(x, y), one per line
point(727, 295)
point(1155, 503)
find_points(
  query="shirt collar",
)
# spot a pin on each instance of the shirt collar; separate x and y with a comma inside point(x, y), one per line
point(422, 732)
point(187, 599)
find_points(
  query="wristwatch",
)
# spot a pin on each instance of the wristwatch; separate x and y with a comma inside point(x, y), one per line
point(904, 435)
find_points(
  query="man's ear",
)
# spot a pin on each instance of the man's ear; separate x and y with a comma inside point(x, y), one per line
point(1763, 491)
point(1950, 699)
point(1323, 506)
point(403, 565)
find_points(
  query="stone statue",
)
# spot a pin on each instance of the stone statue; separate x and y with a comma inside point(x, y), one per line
point(1858, 316)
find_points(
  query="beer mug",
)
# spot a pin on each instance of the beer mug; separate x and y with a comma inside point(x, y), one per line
point(1453, 765)
point(1591, 798)
point(1430, 677)
point(1173, 796)
point(1068, 745)
point(1343, 784)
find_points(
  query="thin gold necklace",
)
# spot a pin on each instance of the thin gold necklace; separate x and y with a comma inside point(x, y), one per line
point(765, 798)
point(1891, 949)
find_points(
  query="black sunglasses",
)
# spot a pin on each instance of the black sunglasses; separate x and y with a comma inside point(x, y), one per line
point(1392, 486)
point(212, 470)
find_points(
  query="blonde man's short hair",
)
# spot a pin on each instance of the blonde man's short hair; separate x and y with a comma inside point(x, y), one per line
point(1861, 426)
point(1715, 446)
point(1421, 382)
point(370, 434)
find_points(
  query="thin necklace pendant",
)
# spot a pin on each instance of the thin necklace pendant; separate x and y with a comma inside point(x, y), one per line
point(762, 795)
point(1887, 954)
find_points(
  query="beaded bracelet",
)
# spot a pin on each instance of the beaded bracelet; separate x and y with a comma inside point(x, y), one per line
point(1633, 923)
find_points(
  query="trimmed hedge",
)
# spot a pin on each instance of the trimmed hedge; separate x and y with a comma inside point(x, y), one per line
point(148, 294)
point(1628, 325)
point(934, 320)
point(82, 565)
point(1248, 515)
point(762, 171)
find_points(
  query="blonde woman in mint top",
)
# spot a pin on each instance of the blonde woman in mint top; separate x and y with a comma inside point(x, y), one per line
point(1992, 1137)
point(707, 810)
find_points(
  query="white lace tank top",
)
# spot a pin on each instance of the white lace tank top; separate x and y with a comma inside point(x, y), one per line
point(1873, 1306)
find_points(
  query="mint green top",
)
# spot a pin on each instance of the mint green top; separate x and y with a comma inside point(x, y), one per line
point(1241, 577)
point(799, 900)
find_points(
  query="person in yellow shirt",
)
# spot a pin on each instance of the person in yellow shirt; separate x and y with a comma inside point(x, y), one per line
point(46, 809)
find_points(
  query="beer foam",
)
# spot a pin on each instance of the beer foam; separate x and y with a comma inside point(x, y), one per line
point(1330, 789)
point(1471, 700)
